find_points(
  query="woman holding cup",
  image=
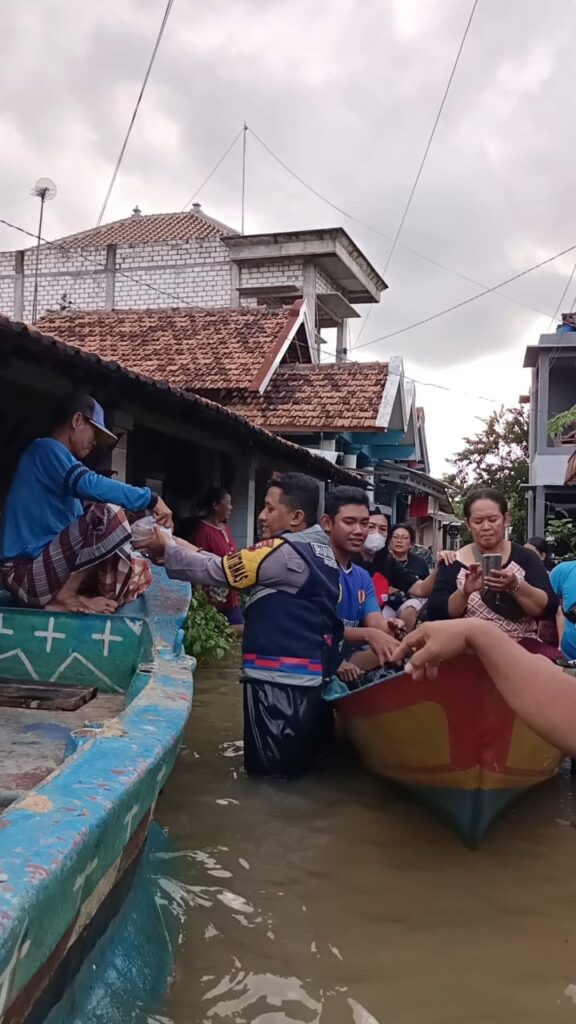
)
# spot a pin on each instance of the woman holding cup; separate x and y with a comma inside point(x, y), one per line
point(493, 578)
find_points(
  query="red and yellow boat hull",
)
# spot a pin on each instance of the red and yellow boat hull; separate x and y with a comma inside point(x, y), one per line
point(453, 742)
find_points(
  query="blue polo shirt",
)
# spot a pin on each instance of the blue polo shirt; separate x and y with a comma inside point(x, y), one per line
point(357, 596)
point(563, 580)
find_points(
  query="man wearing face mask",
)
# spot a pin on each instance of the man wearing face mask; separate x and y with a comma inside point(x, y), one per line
point(374, 543)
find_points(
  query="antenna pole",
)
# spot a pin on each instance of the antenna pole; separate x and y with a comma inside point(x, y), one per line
point(244, 134)
point(42, 194)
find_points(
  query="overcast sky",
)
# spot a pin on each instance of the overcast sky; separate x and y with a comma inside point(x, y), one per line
point(345, 92)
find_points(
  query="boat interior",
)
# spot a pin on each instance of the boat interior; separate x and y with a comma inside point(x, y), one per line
point(61, 674)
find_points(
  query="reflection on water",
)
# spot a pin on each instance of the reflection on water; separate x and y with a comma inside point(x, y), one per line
point(335, 900)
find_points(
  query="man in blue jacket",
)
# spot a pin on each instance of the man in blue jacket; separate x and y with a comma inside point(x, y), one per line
point(54, 553)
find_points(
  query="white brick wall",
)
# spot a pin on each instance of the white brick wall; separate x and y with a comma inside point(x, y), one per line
point(270, 272)
point(196, 272)
point(324, 283)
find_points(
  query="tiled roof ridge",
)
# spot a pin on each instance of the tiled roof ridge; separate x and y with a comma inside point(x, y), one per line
point(352, 366)
point(206, 227)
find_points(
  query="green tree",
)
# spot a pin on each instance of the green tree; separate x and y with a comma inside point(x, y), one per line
point(497, 456)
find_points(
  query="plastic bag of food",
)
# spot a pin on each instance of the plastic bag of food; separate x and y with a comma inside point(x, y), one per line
point(143, 529)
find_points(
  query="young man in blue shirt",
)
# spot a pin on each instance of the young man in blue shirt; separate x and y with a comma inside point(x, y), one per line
point(56, 555)
point(346, 520)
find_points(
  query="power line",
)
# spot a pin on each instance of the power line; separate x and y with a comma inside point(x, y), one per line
point(466, 302)
point(562, 297)
point(432, 133)
point(382, 234)
point(135, 112)
point(214, 169)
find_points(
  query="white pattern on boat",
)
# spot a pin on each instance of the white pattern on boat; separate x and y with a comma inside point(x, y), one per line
point(107, 637)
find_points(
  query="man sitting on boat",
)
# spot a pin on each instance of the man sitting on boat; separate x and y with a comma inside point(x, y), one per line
point(346, 520)
point(292, 634)
point(538, 691)
point(514, 596)
point(56, 554)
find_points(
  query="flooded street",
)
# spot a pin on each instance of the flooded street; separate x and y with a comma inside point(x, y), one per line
point(336, 900)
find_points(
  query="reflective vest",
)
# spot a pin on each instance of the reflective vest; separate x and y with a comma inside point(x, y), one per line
point(296, 638)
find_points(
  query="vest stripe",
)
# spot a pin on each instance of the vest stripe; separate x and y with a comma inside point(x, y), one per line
point(293, 665)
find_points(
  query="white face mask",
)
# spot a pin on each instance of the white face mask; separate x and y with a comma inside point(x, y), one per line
point(374, 542)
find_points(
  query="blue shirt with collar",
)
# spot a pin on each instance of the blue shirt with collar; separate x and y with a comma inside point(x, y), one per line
point(357, 595)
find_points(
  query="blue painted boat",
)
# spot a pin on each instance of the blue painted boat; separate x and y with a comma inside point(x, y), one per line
point(78, 787)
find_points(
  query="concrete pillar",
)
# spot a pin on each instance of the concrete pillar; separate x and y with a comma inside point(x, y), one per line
point(309, 293)
point(542, 402)
point(121, 424)
point(539, 512)
point(110, 277)
point(342, 341)
point(243, 518)
point(18, 286)
point(234, 284)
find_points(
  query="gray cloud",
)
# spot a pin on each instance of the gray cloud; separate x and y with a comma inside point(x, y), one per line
point(345, 93)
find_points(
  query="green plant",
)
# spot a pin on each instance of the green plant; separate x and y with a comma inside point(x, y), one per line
point(563, 533)
point(207, 634)
point(560, 423)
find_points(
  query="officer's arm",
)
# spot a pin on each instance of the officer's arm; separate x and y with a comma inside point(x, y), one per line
point(272, 564)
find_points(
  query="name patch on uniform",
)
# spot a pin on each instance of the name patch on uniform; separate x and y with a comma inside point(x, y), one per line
point(241, 568)
point(324, 551)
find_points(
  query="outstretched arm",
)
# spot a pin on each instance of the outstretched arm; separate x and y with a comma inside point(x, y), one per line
point(537, 690)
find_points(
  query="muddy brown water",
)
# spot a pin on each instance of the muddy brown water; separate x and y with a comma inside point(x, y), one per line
point(337, 900)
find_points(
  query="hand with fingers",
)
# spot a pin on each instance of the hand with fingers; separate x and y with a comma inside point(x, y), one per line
point(431, 644)
point(473, 580)
point(349, 673)
point(502, 580)
point(446, 558)
point(154, 545)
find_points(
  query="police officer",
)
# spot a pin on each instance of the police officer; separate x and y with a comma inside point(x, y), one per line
point(292, 633)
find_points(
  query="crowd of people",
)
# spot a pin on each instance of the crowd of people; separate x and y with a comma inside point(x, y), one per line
point(339, 596)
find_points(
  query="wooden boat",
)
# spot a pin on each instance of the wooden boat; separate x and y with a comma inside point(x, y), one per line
point(453, 742)
point(78, 787)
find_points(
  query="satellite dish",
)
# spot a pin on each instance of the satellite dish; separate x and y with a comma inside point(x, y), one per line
point(45, 189)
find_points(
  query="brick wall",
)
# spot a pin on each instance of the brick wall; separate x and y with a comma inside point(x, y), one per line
point(6, 283)
point(196, 272)
point(324, 283)
point(185, 273)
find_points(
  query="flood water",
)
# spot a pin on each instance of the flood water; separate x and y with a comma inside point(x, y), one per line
point(336, 900)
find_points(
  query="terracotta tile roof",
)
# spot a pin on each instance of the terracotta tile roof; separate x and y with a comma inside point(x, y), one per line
point(32, 346)
point(317, 397)
point(200, 350)
point(148, 228)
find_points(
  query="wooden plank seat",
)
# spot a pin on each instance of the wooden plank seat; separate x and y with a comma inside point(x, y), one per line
point(14, 693)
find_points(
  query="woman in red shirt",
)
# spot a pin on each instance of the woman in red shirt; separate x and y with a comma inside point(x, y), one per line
point(213, 534)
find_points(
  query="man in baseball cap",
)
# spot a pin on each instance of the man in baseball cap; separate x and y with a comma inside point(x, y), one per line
point(94, 413)
point(65, 538)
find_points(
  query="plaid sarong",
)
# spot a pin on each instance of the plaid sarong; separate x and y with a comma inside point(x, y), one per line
point(101, 537)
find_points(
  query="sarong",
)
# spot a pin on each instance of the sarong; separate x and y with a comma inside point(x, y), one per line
point(99, 538)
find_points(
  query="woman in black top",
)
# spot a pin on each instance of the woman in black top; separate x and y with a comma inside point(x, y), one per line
point(514, 597)
point(400, 543)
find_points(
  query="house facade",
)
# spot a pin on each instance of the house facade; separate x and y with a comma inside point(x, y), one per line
point(553, 390)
